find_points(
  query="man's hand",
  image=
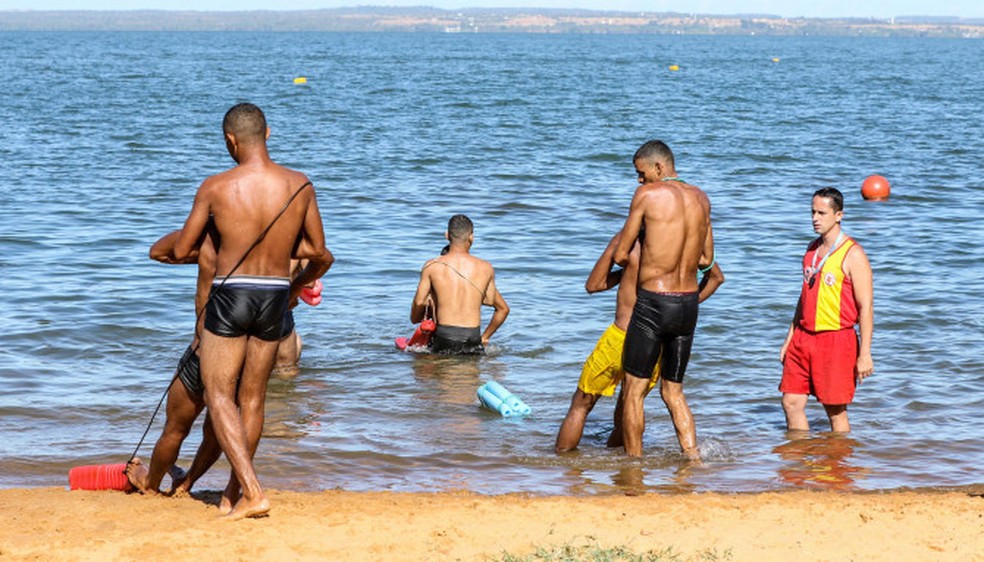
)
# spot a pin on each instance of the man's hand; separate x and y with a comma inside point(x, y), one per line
point(864, 368)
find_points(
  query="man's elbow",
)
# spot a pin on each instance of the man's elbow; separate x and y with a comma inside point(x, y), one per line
point(503, 309)
point(158, 255)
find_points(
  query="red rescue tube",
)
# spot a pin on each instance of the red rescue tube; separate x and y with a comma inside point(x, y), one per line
point(99, 477)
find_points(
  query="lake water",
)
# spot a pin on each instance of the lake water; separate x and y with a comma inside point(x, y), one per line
point(106, 137)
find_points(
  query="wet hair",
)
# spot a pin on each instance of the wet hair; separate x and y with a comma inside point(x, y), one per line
point(459, 227)
point(834, 195)
point(245, 121)
point(654, 151)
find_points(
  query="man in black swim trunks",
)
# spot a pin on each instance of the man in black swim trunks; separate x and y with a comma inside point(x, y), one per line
point(186, 395)
point(260, 210)
point(676, 217)
point(457, 284)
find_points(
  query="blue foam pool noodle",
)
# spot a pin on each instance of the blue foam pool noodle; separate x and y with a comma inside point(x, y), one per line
point(493, 402)
point(511, 400)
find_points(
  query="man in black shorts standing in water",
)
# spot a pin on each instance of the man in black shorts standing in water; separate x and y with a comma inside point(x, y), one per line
point(676, 218)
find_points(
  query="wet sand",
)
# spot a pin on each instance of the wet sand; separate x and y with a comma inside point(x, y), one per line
point(57, 524)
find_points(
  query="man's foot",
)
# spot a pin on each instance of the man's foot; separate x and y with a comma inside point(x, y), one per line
point(693, 455)
point(244, 508)
point(230, 497)
point(179, 478)
point(138, 474)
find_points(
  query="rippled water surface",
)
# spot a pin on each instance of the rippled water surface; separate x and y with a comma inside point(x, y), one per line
point(107, 135)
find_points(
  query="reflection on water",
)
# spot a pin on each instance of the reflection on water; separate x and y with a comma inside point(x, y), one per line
point(819, 462)
point(448, 378)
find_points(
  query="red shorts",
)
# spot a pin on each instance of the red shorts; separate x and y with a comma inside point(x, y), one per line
point(822, 364)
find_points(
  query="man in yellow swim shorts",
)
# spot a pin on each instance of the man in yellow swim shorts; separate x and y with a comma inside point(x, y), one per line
point(602, 370)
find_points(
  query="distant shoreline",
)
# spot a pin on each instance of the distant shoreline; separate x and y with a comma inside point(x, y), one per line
point(488, 20)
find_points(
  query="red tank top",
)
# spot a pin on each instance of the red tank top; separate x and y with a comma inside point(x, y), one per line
point(827, 298)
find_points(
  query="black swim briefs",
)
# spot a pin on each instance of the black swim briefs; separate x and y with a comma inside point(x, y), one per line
point(661, 324)
point(288, 324)
point(454, 340)
point(248, 306)
point(190, 372)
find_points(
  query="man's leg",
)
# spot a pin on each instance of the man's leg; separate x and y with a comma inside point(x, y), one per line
point(222, 360)
point(573, 426)
point(180, 413)
point(683, 419)
point(208, 452)
point(837, 414)
point(794, 405)
point(633, 414)
point(260, 356)
point(615, 439)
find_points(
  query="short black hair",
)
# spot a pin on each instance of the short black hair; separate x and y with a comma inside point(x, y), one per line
point(835, 196)
point(245, 121)
point(656, 151)
point(459, 227)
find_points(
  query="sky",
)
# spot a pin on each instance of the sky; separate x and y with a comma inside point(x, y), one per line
point(788, 8)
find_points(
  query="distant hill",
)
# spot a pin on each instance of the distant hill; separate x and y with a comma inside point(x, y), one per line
point(485, 20)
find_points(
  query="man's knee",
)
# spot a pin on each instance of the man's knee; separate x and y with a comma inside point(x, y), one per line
point(793, 402)
point(670, 391)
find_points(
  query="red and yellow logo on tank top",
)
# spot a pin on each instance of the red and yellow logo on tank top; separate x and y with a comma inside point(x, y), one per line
point(828, 295)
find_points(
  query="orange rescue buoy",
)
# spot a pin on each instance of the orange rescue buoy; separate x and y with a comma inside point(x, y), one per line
point(875, 188)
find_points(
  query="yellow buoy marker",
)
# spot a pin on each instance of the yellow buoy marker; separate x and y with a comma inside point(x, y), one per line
point(775, 59)
point(300, 80)
point(674, 67)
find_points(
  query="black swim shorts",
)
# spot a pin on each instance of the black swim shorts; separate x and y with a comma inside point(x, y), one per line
point(454, 340)
point(661, 324)
point(288, 324)
point(190, 373)
point(248, 306)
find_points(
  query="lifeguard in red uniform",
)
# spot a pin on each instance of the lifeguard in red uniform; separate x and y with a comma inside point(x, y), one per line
point(822, 354)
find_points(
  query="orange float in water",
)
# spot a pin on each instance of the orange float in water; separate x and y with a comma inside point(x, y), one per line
point(875, 188)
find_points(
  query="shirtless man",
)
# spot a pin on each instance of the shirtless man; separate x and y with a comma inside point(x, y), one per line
point(458, 284)
point(602, 370)
point(186, 396)
point(260, 211)
point(676, 217)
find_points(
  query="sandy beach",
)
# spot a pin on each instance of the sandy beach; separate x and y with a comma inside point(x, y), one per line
point(57, 524)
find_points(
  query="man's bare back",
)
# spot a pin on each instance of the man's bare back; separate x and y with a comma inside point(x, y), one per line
point(676, 219)
point(458, 284)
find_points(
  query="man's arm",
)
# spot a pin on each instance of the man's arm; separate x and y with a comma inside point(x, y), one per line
point(312, 248)
point(494, 298)
point(633, 224)
point(163, 250)
point(859, 270)
point(418, 308)
point(710, 282)
point(602, 277)
point(193, 232)
point(707, 254)
point(792, 328)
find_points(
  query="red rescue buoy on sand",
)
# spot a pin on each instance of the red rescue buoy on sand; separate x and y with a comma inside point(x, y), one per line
point(99, 477)
point(875, 188)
